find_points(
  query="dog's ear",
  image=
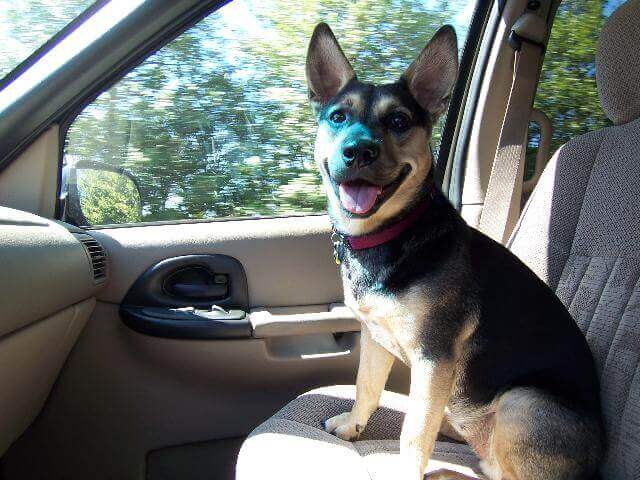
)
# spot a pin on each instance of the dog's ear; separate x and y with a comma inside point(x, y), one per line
point(328, 70)
point(432, 75)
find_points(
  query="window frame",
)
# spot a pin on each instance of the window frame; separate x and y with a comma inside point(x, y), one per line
point(43, 49)
point(73, 83)
point(446, 148)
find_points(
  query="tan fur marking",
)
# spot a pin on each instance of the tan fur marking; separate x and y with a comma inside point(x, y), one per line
point(393, 322)
point(465, 333)
point(373, 371)
point(431, 385)
point(448, 430)
point(354, 101)
point(385, 105)
point(431, 388)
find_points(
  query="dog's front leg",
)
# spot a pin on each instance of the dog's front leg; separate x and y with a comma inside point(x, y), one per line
point(373, 371)
point(431, 383)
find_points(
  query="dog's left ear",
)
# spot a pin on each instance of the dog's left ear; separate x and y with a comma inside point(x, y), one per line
point(432, 75)
point(328, 69)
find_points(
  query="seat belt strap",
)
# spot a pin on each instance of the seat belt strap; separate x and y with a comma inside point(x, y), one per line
point(504, 192)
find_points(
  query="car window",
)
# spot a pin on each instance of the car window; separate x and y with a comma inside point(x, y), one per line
point(217, 123)
point(567, 91)
point(28, 24)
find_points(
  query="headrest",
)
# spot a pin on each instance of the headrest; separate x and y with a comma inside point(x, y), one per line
point(618, 64)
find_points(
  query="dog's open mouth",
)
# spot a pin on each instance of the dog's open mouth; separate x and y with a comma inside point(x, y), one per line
point(360, 197)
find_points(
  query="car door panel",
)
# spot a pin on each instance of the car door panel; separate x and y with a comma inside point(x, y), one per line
point(287, 261)
point(124, 394)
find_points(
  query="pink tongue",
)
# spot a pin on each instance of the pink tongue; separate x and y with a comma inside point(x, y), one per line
point(358, 197)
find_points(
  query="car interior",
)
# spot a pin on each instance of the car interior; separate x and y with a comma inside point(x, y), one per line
point(167, 322)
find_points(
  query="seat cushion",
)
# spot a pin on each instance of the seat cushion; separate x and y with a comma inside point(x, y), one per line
point(292, 444)
point(580, 232)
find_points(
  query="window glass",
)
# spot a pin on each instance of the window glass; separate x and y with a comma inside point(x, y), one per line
point(567, 90)
point(217, 123)
point(28, 24)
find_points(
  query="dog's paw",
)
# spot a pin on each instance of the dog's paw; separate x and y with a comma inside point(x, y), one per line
point(343, 427)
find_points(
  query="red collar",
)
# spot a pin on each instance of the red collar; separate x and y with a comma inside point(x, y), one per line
point(389, 233)
point(374, 239)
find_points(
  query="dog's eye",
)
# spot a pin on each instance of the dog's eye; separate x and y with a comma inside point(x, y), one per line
point(338, 116)
point(398, 122)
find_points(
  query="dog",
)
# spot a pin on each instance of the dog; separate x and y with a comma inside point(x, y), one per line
point(496, 360)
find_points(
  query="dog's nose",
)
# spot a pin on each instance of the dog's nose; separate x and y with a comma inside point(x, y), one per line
point(363, 152)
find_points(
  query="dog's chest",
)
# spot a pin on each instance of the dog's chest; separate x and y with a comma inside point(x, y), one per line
point(378, 315)
point(390, 319)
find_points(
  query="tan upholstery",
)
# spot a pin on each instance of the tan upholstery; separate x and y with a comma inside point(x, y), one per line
point(44, 269)
point(30, 360)
point(258, 246)
point(580, 232)
point(46, 297)
point(592, 259)
point(30, 182)
point(618, 64)
point(292, 444)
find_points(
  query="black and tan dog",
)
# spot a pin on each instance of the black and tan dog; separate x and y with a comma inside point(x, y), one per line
point(495, 357)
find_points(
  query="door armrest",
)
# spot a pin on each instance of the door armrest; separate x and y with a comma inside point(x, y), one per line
point(289, 321)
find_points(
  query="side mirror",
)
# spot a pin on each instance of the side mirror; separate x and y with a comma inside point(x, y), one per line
point(95, 193)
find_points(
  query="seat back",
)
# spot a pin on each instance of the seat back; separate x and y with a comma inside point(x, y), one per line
point(580, 232)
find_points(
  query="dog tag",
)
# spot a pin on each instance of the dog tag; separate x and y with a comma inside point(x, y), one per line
point(338, 247)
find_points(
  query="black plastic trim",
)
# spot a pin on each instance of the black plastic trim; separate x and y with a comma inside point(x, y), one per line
point(149, 307)
point(142, 320)
point(149, 291)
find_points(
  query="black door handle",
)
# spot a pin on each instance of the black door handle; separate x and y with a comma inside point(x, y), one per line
point(197, 283)
point(174, 298)
point(190, 290)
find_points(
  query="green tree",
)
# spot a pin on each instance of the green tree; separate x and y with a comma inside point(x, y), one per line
point(107, 197)
point(217, 122)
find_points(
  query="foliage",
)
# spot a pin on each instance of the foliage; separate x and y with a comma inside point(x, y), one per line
point(107, 197)
point(217, 123)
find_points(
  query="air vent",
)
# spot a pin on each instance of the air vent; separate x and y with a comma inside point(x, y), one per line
point(96, 254)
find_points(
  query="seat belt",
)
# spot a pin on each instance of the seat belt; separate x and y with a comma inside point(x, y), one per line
point(504, 192)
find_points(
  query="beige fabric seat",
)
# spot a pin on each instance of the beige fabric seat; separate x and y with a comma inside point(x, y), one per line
point(293, 445)
point(580, 232)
